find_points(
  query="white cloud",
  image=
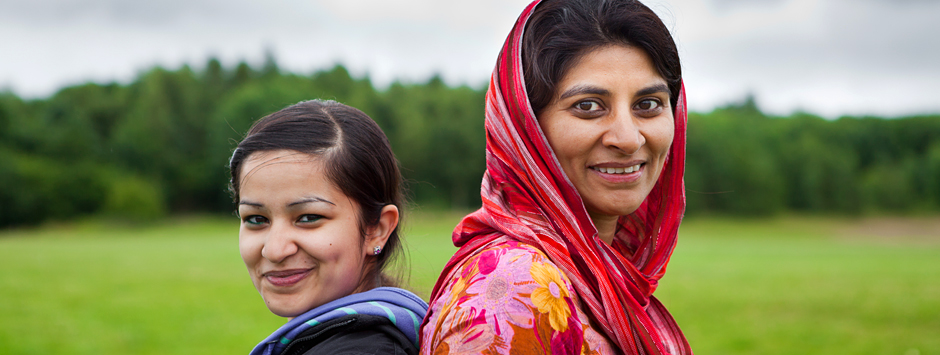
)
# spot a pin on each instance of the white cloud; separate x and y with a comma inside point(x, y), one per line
point(827, 56)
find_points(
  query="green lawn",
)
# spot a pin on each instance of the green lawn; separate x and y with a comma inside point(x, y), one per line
point(781, 286)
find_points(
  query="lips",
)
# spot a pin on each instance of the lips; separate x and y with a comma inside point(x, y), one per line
point(285, 278)
point(619, 172)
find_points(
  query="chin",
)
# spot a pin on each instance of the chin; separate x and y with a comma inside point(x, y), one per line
point(286, 308)
point(612, 202)
point(625, 211)
point(614, 211)
point(613, 208)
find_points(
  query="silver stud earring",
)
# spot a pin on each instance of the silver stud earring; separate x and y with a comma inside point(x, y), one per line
point(377, 250)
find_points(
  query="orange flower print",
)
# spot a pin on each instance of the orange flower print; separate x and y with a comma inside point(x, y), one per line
point(457, 289)
point(550, 296)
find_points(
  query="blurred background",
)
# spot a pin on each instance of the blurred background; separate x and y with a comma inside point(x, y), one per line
point(813, 170)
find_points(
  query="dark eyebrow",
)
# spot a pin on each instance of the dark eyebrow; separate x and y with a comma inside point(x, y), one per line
point(584, 89)
point(249, 203)
point(309, 200)
point(655, 89)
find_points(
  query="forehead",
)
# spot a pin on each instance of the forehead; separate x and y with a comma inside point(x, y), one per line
point(613, 63)
point(278, 158)
point(282, 170)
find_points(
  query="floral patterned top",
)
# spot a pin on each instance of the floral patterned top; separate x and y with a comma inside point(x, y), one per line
point(510, 298)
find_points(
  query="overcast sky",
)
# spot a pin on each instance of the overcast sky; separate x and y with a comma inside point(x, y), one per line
point(828, 57)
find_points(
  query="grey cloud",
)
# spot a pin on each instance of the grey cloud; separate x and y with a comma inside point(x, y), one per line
point(866, 36)
point(868, 46)
point(849, 56)
point(732, 4)
point(904, 2)
point(882, 34)
point(147, 13)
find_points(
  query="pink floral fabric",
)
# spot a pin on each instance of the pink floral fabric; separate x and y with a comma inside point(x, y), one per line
point(510, 298)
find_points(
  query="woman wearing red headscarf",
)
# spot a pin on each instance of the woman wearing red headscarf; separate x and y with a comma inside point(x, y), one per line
point(583, 192)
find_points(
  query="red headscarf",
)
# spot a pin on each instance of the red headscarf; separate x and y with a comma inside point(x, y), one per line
point(528, 198)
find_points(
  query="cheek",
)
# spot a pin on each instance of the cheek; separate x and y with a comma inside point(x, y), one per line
point(667, 143)
point(568, 139)
point(250, 249)
point(661, 137)
point(338, 243)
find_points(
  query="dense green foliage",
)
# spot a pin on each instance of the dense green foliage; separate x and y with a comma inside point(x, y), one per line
point(161, 143)
point(744, 162)
point(757, 286)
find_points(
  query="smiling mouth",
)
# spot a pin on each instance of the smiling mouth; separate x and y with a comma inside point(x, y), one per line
point(286, 277)
point(627, 170)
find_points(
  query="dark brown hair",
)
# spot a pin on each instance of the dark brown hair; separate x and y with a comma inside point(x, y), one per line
point(560, 32)
point(358, 160)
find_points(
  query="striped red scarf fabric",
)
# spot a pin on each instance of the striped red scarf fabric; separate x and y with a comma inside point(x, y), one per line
point(527, 198)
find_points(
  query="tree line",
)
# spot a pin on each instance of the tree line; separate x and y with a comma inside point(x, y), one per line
point(160, 145)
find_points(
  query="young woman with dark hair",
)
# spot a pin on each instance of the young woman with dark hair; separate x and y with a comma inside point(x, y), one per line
point(583, 192)
point(319, 197)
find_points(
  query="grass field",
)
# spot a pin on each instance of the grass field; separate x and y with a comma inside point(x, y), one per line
point(780, 286)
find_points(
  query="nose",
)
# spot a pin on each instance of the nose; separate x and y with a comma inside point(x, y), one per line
point(279, 243)
point(623, 133)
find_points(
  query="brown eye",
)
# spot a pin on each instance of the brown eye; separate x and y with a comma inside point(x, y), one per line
point(255, 220)
point(648, 105)
point(587, 106)
point(309, 218)
point(648, 108)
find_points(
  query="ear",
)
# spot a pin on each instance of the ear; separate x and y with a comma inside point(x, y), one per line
point(379, 233)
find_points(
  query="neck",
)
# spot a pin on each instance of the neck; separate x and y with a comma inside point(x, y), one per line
point(606, 226)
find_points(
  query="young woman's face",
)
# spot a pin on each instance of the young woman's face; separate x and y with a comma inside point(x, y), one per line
point(610, 125)
point(299, 234)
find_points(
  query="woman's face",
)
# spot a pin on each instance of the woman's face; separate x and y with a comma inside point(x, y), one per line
point(610, 125)
point(299, 234)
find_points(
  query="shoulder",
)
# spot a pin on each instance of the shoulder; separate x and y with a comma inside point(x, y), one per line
point(504, 297)
point(495, 275)
point(510, 254)
point(352, 334)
